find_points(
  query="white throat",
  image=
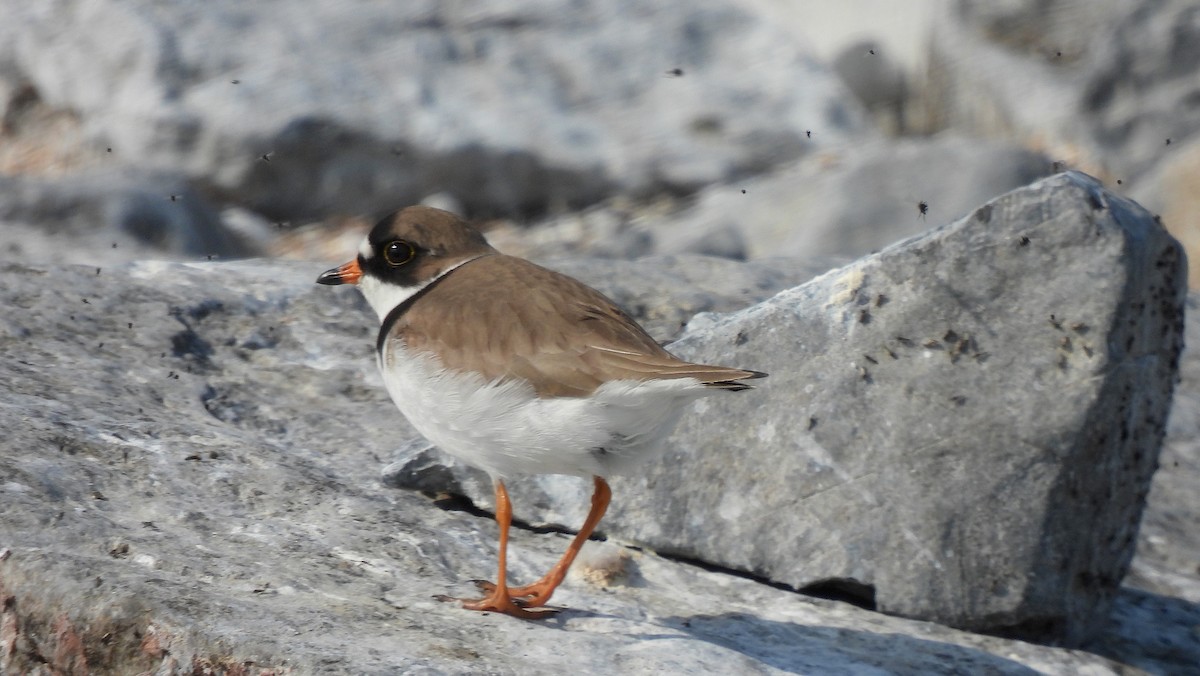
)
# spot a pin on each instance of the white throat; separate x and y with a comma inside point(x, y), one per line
point(384, 297)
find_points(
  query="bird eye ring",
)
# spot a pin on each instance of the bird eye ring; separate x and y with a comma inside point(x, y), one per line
point(398, 252)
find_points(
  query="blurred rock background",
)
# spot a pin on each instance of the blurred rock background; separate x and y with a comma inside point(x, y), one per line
point(795, 135)
point(183, 131)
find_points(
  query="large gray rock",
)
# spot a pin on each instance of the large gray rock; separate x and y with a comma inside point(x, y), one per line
point(961, 428)
point(198, 493)
point(510, 108)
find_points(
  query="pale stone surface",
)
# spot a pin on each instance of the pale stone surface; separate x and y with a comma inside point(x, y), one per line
point(231, 518)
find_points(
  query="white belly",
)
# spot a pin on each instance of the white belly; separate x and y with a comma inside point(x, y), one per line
point(506, 429)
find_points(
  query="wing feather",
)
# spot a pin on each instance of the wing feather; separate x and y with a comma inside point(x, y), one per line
point(489, 316)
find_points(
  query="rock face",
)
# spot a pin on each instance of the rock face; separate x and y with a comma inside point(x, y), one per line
point(961, 428)
point(198, 493)
point(509, 108)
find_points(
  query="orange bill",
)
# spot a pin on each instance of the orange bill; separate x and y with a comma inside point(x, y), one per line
point(349, 273)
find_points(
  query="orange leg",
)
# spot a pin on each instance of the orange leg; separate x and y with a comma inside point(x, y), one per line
point(538, 594)
point(499, 600)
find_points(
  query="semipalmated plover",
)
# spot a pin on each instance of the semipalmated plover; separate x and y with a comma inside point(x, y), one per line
point(517, 369)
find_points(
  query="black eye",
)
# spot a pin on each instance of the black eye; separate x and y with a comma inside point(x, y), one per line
point(398, 252)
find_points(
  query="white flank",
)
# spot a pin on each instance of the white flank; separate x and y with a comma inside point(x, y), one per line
point(506, 429)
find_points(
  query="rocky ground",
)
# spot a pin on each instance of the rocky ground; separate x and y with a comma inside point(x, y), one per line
point(193, 457)
point(950, 470)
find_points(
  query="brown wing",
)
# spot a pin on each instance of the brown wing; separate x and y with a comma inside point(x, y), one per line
point(508, 318)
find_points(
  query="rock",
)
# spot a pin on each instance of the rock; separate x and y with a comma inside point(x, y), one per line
point(107, 217)
point(199, 494)
point(509, 109)
point(961, 428)
point(1100, 85)
point(856, 201)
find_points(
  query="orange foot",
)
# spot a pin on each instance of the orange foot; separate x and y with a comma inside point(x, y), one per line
point(499, 601)
point(534, 595)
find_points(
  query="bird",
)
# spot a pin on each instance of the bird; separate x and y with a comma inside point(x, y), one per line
point(517, 369)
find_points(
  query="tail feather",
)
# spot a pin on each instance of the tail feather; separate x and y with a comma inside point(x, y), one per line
point(734, 384)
